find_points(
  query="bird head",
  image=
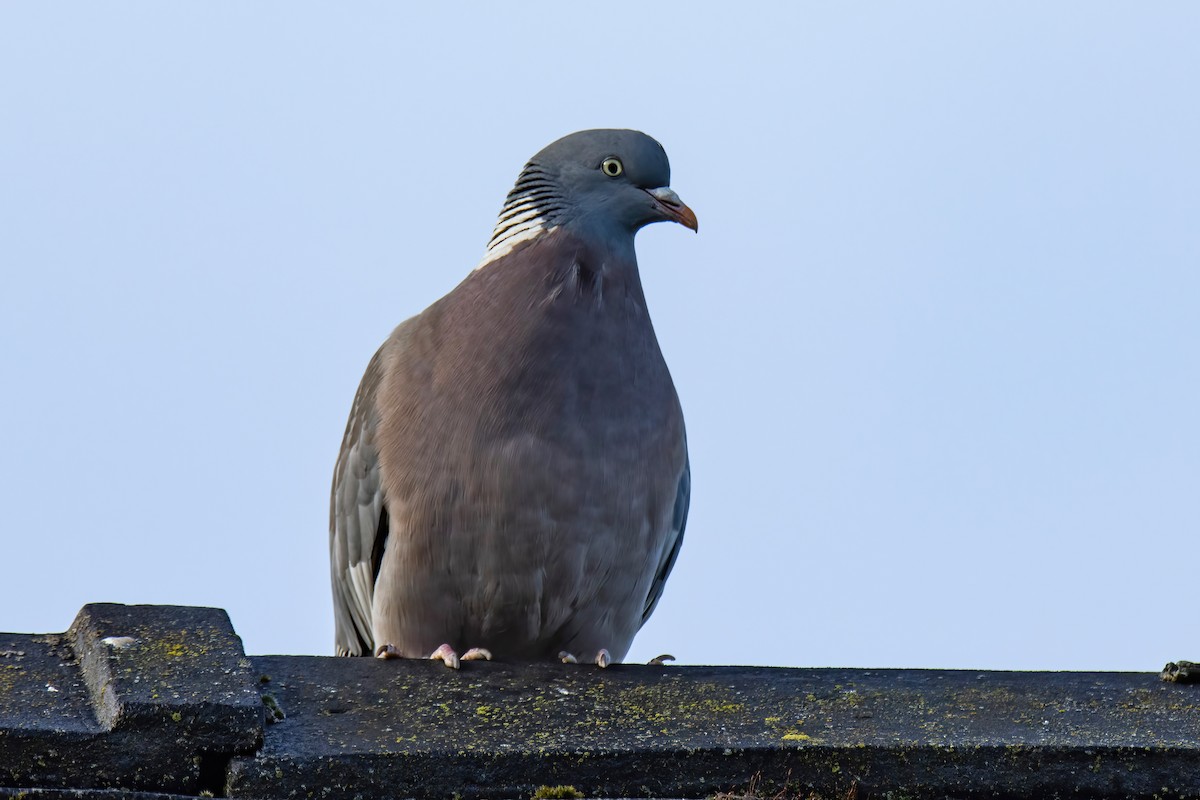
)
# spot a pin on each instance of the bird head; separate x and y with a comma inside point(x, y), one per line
point(619, 176)
point(614, 181)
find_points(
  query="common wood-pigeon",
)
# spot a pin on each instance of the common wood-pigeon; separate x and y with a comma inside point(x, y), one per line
point(514, 476)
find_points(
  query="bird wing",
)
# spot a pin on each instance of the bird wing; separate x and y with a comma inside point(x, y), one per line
point(357, 520)
point(683, 499)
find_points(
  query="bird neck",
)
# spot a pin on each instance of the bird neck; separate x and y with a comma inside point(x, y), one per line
point(566, 267)
point(605, 259)
point(532, 209)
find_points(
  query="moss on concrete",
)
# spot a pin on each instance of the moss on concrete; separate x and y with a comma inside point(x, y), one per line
point(557, 793)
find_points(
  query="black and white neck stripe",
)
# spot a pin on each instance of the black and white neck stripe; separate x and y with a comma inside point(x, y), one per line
point(533, 207)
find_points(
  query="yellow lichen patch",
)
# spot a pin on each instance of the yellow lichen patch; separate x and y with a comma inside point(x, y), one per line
point(672, 702)
point(557, 793)
point(8, 677)
point(155, 649)
point(793, 735)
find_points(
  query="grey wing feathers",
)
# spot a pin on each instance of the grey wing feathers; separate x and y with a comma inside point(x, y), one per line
point(683, 499)
point(355, 520)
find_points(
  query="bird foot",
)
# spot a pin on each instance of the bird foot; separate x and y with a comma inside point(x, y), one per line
point(445, 654)
point(659, 661)
point(602, 660)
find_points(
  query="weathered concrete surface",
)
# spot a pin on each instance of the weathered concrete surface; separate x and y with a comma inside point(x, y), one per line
point(169, 665)
point(364, 728)
point(160, 703)
point(149, 698)
point(86, 794)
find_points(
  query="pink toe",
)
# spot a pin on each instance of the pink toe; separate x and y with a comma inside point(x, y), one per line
point(446, 655)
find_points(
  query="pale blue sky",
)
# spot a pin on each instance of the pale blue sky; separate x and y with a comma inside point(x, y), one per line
point(938, 340)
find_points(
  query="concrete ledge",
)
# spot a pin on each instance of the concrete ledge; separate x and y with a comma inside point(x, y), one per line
point(364, 726)
point(158, 703)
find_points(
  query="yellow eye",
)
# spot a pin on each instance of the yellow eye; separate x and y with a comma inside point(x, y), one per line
point(612, 167)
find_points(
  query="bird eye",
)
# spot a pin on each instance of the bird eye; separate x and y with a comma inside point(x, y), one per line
point(612, 167)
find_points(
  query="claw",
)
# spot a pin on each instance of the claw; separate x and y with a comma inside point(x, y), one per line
point(386, 651)
point(659, 661)
point(446, 655)
point(602, 660)
point(477, 654)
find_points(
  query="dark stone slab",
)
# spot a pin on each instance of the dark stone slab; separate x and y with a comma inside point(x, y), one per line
point(41, 688)
point(367, 728)
point(45, 711)
point(153, 698)
point(169, 665)
point(37, 793)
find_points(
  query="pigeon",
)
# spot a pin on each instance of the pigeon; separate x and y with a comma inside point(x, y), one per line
point(514, 478)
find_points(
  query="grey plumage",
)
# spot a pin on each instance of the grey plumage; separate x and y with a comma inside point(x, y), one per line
point(514, 472)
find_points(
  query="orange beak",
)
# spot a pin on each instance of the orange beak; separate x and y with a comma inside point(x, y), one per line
point(675, 208)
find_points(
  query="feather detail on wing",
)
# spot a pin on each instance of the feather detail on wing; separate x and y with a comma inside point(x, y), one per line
point(357, 521)
point(670, 552)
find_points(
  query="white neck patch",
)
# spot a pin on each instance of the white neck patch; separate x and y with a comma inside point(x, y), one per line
point(532, 208)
